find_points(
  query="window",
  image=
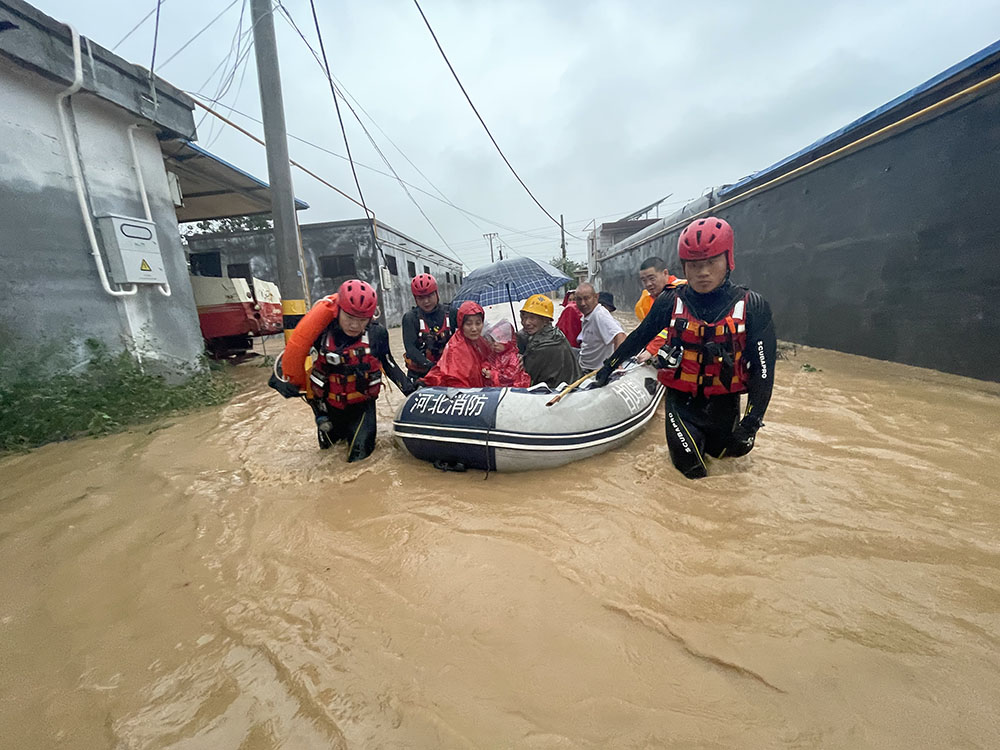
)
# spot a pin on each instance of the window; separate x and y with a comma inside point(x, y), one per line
point(239, 271)
point(427, 269)
point(447, 277)
point(411, 269)
point(390, 263)
point(332, 266)
point(206, 264)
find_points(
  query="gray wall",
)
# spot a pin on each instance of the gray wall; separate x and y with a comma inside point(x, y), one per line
point(50, 292)
point(343, 238)
point(892, 252)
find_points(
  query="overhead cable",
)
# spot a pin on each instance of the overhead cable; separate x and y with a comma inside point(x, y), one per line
point(204, 28)
point(136, 27)
point(343, 130)
point(482, 122)
point(335, 91)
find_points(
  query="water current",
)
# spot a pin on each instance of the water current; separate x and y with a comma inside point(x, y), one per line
point(216, 581)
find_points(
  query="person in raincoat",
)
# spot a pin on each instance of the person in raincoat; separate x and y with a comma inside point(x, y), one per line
point(465, 361)
point(504, 360)
point(570, 320)
point(548, 357)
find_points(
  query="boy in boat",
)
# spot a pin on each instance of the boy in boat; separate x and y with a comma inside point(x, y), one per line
point(351, 353)
point(426, 328)
point(654, 277)
point(464, 362)
point(715, 341)
point(548, 357)
point(504, 358)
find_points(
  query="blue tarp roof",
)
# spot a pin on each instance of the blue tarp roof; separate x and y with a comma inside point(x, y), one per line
point(858, 128)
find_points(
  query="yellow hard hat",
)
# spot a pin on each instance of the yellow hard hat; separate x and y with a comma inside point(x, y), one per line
point(539, 304)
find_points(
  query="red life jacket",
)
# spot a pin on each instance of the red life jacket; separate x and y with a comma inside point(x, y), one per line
point(346, 375)
point(711, 360)
point(431, 341)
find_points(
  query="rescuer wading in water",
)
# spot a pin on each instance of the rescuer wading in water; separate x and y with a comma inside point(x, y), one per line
point(350, 352)
point(712, 341)
point(427, 327)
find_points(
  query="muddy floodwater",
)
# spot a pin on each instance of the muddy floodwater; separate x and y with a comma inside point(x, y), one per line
point(215, 581)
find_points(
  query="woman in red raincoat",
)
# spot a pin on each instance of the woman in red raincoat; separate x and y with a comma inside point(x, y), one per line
point(464, 362)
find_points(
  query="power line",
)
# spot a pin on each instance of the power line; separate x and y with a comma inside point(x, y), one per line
point(335, 91)
point(482, 122)
point(156, 37)
point(343, 130)
point(136, 27)
point(203, 30)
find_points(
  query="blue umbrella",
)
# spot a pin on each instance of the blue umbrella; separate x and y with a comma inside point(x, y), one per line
point(508, 280)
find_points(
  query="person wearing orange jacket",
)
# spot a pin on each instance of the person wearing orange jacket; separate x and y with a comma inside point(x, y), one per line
point(718, 342)
point(350, 353)
point(654, 277)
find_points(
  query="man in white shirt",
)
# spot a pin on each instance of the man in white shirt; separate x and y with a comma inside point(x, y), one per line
point(601, 333)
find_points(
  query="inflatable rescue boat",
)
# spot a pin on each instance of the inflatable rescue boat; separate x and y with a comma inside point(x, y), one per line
point(511, 429)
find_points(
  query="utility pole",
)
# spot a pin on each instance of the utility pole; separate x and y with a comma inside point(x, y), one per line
point(291, 276)
point(489, 236)
point(562, 230)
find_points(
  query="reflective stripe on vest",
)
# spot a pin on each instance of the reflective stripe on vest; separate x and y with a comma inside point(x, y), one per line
point(346, 375)
point(711, 361)
point(430, 341)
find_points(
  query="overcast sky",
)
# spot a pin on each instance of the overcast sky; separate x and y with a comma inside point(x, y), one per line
point(602, 106)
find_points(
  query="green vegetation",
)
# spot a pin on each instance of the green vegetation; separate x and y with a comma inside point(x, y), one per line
point(809, 368)
point(569, 267)
point(107, 395)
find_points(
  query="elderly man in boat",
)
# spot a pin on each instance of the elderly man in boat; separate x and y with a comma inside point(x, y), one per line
point(548, 357)
point(711, 341)
point(601, 333)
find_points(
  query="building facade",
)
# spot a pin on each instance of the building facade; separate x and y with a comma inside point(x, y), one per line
point(878, 240)
point(333, 252)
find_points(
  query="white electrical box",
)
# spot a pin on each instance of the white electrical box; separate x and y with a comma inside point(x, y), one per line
point(386, 278)
point(132, 249)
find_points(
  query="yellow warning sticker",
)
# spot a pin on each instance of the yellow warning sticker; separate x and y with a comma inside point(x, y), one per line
point(144, 266)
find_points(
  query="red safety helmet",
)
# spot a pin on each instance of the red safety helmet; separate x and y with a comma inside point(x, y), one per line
point(357, 298)
point(423, 284)
point(706, 238)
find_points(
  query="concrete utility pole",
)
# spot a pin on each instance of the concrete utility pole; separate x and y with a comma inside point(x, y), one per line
point(291, 276)
point(489, 236)
point(562, 231)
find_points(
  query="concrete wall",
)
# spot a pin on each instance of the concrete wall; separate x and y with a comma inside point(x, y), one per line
point(892, 252)
point(343, 238)
point(50, 292)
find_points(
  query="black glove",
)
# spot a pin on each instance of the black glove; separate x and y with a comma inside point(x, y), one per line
point(284, 387)
point(741, 441)
point(603, 375)
point(407, 386)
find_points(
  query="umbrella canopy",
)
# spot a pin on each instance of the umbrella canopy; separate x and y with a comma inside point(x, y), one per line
point(508, 280)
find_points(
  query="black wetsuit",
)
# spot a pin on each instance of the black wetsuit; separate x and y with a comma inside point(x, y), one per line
point(698, 425)
point(416, 346)
point(355, 423)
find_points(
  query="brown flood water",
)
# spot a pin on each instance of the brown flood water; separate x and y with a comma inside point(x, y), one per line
point(218, 582)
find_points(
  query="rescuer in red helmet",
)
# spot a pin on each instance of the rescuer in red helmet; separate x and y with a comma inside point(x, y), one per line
point(711, 341)
point(426, 328)
point(350, 352)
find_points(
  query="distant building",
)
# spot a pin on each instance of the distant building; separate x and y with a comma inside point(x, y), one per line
point(96, 169)
point(334, 252)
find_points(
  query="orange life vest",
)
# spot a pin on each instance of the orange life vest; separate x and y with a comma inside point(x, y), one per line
point(709, 356)
point(645, 301)
point(345, 375)
point(431, 341)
